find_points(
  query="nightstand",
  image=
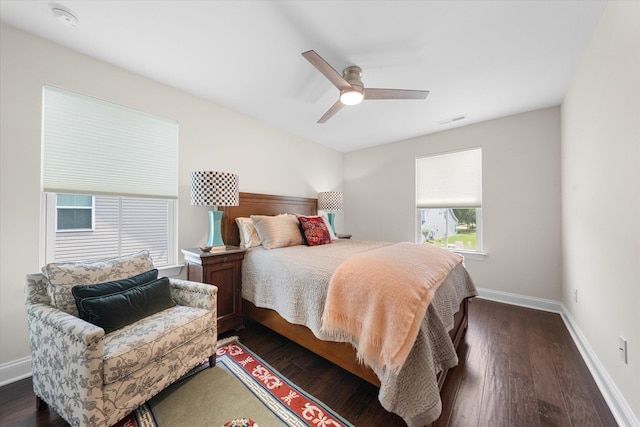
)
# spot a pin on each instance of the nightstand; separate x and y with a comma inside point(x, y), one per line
point(222, 268)
point(343, 236)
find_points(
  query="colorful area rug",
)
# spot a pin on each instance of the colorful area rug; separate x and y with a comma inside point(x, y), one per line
point(241, 388)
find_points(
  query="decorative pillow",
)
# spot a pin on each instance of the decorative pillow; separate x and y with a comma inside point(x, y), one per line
point(315, 230)
point(85, 291)
point(325, 217)
point(277, 231)
point(248, 235)
point(61, 277)
point(114, 311)
point(304, 238)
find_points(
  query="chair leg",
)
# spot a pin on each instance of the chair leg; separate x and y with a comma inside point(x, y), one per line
point(41, 405)
point(212, 361)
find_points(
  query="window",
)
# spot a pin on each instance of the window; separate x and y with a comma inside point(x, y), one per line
point(450, 228)
point(449, 200)
point(74, 212)
point(109, 177)
point(121, 225)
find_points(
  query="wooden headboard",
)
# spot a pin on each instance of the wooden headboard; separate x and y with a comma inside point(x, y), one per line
point(262, 204)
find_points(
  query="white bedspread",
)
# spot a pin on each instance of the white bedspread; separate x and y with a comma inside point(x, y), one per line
point(293, 281)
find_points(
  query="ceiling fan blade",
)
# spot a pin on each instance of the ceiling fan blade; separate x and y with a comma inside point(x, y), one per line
point(326, 69)
point(331, 112)
point(394, 94)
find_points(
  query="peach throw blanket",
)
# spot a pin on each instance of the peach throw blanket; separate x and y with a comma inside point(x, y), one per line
point(377, 299)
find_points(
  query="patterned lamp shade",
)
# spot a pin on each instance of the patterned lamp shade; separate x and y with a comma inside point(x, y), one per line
point(214, 189)
point(330, 201)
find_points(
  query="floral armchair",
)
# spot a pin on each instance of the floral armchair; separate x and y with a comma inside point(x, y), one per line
point(93, 378)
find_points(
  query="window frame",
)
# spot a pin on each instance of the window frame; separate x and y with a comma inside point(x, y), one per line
point(479, 253)
point(125, 153)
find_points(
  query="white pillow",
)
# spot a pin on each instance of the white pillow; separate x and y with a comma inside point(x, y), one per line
point(325, 217)
point(248, 235)
point(277, 231)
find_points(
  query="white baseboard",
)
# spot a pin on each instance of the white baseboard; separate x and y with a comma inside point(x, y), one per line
point(16, 370)
point(617, 403)
point(521, 300)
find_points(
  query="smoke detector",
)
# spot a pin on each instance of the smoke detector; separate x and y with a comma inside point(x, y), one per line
point(64, 15)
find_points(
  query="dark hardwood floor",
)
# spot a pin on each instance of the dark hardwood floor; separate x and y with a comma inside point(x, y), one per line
point(518, 367)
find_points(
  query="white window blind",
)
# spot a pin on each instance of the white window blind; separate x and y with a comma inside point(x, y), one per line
point(91, 146)
point(451, 180)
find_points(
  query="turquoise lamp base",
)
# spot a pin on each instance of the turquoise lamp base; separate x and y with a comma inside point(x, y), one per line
point(215, 233)
point(331, 218)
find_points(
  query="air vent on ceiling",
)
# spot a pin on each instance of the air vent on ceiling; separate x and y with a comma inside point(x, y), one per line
point(452, 119)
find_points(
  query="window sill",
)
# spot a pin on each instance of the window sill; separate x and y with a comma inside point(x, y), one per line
point(170, 270)
point(478, 256)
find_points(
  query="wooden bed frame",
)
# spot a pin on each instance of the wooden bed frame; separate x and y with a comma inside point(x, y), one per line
point(342, 354)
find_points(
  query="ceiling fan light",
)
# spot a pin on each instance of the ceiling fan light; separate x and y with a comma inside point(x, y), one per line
point(351, 97)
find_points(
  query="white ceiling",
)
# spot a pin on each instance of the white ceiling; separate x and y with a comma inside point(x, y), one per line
point(481, 59)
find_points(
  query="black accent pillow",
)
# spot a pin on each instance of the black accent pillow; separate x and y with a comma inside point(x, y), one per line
point(123, 308)
point(85, 291)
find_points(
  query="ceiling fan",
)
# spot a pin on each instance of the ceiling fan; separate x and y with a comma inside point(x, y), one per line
point(352, 90)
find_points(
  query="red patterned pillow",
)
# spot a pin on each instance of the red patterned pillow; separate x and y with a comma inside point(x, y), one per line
point(315, 230)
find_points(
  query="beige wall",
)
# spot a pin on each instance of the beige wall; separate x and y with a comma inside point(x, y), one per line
point(521, 197)
point(601, 195)
point(211, 138)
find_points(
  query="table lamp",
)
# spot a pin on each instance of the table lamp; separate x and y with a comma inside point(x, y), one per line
point(330, 202)
point(214, 189)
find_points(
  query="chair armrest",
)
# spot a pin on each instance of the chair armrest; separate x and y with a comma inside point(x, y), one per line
point(66, 324)
point(194, 294)
point(66, 354)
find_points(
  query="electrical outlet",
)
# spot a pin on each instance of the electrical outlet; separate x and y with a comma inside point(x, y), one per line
point(575, 294)
point(622, 349)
